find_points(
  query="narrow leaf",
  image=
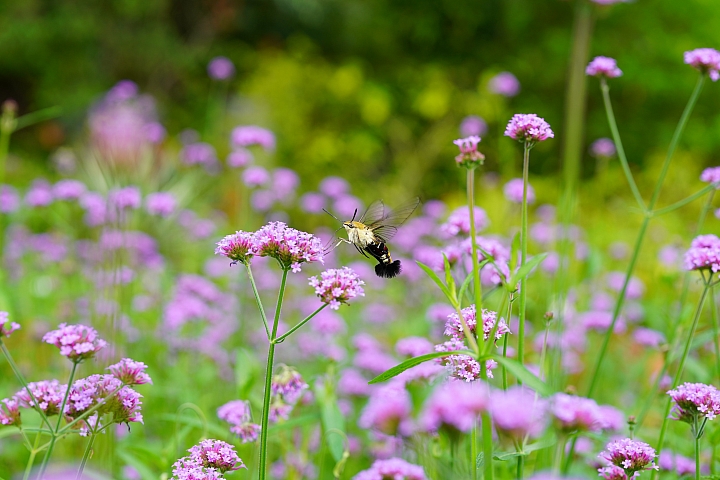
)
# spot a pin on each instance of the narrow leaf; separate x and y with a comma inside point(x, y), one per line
point(503, 457)
point(463, 288)
point(523, 374)
point(332, 420)
point(407, 364)
point(449, 280)
point(514, 249)
point(525, 270)
point(37, 117)
point(438, 282)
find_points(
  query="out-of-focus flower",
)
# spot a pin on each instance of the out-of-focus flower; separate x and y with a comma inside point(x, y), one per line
point(603, 67)
point(9, 199)
point(130, 372)
point(239, 158)
point(528, 128)
point(237, 414)
point(518, 413)
point(288, 384)
point(413, 346)
point(208, 460)
point(220, 68)
point(505, 84)
point(576, 414)
point(389, 406)
point(458, 223)
point(602, 148)
point(312, 202)
point(608, 2)
point(352, 382)
point(454, 406)
point(469, 156)
point(337, 286)
point(76, 342)
point(693, 401)
point(162, 204)
point(392, 468)
point(39, 195)
point(69, 189)
point(125, 198)
point(10, 412)
point(513, 191)
point(648, 337)
point(704, 253)
point(288, 246)
point(255, 176)
point(711, 175)
point(473, 125)
point(334, 187)
point(199, 153)
point(670, 461)
point(48, 393)
point(707, 60)
point(348, 205)
point(284, 182)
point(246, 136)
point(6, 326)
point(629, 455)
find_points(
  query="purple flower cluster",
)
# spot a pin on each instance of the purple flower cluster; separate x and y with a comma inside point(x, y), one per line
point(528, 128)
point(603, 67)
point(454, 328)
point(630, 456)
point(463, 367)
point(704, 253)
point(473, 125)
point(48, 393)
point(454, 406)
point(392, 468)
point(162, 204)
point(707, 60)
point(513, 191)
point(130, 372)
point(287, 388)
point(237, 413)
point(337, 286)
point(518, 413)
point(505, 84)
point(578, 414)
point(245, 136)
point(69, 189)
point(10, 412)
point(469, 156)
point(668, 460)
point(602, 148)
point(6, 326)
point(388, 409)
point(711, 175)
point(220, 68)
point(238, 247)
point(199, 153)
point(693, 401)
point(208, 460)
point(459, 221)
point(76, 342)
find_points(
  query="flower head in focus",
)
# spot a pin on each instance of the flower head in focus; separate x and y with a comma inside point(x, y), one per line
point(238, 247)
point(76, 342)
point(288, 246)
point(693, 401)
point(603, 67)
point(528, 128)
point(454, 327)
point(220, 68)
point(703, 254)
point(707, 60)
point(6, 326)
point(130, 372)
point(629, 455)
point(337, 286)
point(208, 460)
point(48, 393)
point(10, 412)
point(469, 156)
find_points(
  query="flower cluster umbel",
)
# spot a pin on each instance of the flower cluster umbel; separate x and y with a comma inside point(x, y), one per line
point(626, 456)
point(695, 401)
point(208, 460)
point(237, 413)
point(704, 253)
point(469, 156)
point(6, 326)
point(528, 128)
point(337, 286)
point(76, 342)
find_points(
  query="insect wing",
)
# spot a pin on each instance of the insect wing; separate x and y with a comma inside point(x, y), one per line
point(386, 227)
point(374, 213)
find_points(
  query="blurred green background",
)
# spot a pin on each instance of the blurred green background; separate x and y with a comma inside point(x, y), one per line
point(370, 89)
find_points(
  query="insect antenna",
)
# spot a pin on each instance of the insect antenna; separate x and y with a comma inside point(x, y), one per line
point(333, 216)
point(354, 215)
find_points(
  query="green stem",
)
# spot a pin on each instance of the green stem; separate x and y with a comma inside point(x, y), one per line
point(618, 143)
point(520, 465)
point(85, 457)
point(681, 365)
point(473, 450)
point(268, 380)
point(21, 378)
point(487, 439)
point(282, 338)
point(258, 300)
point(31, 460)
point(697, 457)
point(716, 331)
point(88, 412)
point(523, 254)
point(473, 241)
point(683, 202)
point(53, 439)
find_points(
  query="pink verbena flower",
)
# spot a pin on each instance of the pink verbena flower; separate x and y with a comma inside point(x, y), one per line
point(48, 393)
point(693, 401)
point(711, 175)
point(513, 191)
point(473, 125)
point(238, 247)
point(576, 414)
point(454, 328)
point(602, 147)
point(337, 286)
point(458, 223)
point(469, 156)
point(707, 60)
point(603, 67)
point(612, 473)
point(246, 136)
point(528, 128)
point(69, 189)
point(518, 413)
point(392, 468)
point(199, 153)
point(461, 366)
point(220, 68)
point(162, 204)
point(630, 455)
point(237, 414)
point(130, 372)
point(704, 253)
point(125, 198)
point(76, 342)
point(288, 246)
point(6, 326)
point(454, 406)
point(10, 412)
point(217, 454)
point(505, 84)
point(120, 400)
point(288, 384)
point(388, 408)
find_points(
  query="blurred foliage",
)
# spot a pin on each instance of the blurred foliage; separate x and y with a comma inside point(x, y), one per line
point(371, 89)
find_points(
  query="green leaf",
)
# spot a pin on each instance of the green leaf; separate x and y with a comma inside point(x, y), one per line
point(544, 442)
point(504, 457)
point(525, 269)
point(245, 372)
point(514, 250)
point(438, 282)
point(464, 287)
point(37, 117)
point(449, 280)
point(407, 364)
point(523, 374)
point(145, 472)
point(333, 421)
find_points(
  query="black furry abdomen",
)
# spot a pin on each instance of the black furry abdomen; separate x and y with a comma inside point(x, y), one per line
point(385, 268)
point(388, 270)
